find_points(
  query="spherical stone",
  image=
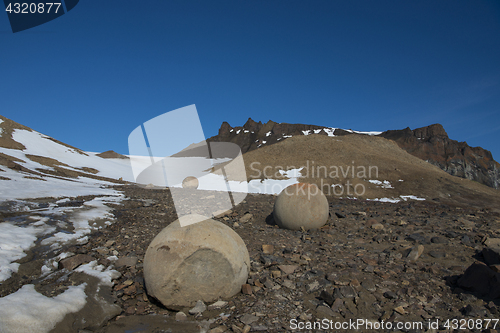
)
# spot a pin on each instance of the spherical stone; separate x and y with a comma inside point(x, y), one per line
point(202, 261)
point(301, 205)
point(190, 182)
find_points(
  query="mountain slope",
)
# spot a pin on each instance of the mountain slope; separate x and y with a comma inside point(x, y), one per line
point(35, 165)
point(430, 143)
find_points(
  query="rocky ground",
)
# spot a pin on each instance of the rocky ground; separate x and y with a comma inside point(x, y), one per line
point(372, 261)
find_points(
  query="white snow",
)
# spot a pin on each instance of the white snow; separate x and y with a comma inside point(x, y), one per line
point(26, 185)
point(105, 275)
point(238, 131)
point(91, 211)
point(306, 132)
point(27, 311)
point(14, 241)
point(383, 184)
point(391, 200)
point(20, 187)
point(362, 132)
point(406, 197)
point(330, 131)
point(268, 133)
point(1, 129)
point(396, 200)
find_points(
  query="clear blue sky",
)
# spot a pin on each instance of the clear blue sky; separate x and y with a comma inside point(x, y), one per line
point(91, 76)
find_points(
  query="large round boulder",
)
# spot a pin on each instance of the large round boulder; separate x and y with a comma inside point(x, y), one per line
point(301, 205)
point(202, 261)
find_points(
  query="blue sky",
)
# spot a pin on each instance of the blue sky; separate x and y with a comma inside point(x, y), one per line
point(91, 76)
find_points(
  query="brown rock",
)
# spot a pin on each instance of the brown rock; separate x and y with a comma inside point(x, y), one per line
point(246, 289)
point(247, 217)
point(267, 249)
point(74, 261)
point(288, 269)
point(126, 261)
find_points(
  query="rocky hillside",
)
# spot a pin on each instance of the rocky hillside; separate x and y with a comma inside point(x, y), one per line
point(430, 143)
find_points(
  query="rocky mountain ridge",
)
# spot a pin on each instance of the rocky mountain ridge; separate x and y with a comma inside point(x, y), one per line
point(430, 143)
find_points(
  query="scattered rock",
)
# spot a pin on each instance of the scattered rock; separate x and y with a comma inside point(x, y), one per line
point(288, 269)
point(415, 252)
point(217, 305)
point(247, 217)
point(437, 254)
point(180, 316)
point(267, 249)
point(200, 307)
point(126, 261)
point(491, 255)
point(439, 240)
point(73, 262)
point(248, 319)
point(246, 289)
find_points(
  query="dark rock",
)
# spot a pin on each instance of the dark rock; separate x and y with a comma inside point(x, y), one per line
point(416, 238)
point(432, 144)
point(390, 295)
point(327, 297)
point(369, 285)
point(437, 254)
point(481, 279)
point(491, 255)
point(439, 240)
point(340, 216)
point(474, 311)
point(347, 292)
point(269, 259)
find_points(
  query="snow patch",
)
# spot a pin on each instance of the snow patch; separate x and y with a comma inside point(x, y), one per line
point(383, 184)
point(330, 131)
point(14, 241)
point(91, 211)
point(106, 275)
point(396, 200)
point(27, 311)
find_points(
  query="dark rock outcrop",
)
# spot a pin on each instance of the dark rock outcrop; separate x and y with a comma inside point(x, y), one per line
point(432, 144)
point(253, 135)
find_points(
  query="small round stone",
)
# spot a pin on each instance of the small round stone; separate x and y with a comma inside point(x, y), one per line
point(190, 182)
point(301, 205)
point(202, 261)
